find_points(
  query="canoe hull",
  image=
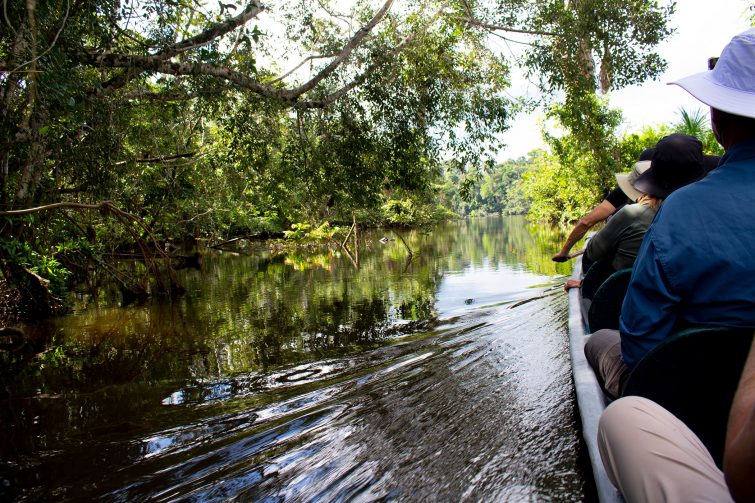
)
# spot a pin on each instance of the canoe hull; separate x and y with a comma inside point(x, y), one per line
point(590, 398)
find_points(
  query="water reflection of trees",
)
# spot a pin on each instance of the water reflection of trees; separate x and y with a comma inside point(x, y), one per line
point(109, 371)
point(509, 241)
point(241, 314)
point(250, 313)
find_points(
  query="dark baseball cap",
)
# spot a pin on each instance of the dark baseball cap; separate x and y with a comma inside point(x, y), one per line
point(676, 162)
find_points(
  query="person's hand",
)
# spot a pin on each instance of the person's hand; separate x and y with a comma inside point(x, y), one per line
point(572, 283)
point(560, 257)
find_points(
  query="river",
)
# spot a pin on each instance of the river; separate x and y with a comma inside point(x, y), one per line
point(437, 375)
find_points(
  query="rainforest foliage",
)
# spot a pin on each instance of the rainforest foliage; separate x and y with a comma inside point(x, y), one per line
point(563, 183)
point(125, 124)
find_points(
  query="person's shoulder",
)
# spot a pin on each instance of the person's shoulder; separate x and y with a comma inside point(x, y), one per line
point(623, 213)
point(634, 210)
point(676, 210)
point(743, 151)
point(617, 198)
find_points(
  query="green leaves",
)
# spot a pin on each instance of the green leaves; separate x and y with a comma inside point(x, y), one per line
point(601, 44)
point(298, 231)
point(46, 266)
point(697, 123)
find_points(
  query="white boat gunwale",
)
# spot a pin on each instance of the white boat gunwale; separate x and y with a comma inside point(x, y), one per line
point(590, 398)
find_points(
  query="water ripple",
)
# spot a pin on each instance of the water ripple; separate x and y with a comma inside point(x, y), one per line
point(479, 409)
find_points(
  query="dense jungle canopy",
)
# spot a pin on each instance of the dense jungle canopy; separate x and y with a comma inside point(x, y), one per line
point(127, 123)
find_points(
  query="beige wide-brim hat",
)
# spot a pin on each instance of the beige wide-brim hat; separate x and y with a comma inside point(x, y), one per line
point(626, 180)
point(730, 86)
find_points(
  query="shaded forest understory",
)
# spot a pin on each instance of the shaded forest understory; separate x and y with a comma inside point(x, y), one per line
point(9, 304)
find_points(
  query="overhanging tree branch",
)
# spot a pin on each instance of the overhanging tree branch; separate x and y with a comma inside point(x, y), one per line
point(291, 96)
point(355, 41)
point(304, 61)
point(338, 94)
point(252, 10)
point(494, 27)
point(162, 158)
point(166, 96)
point(135, 65)
point(104, 205)
point(157, 64)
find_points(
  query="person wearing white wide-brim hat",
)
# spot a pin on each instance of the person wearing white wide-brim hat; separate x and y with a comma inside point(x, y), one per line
point(730, 85)
point(626, 181)
point(696, 266)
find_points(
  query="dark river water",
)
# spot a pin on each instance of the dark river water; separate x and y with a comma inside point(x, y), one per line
point(438, 376)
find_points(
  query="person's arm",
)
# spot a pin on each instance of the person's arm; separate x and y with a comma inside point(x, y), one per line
point(739, 453)
point(604, 244)
point(602, 211)
point(572, 283)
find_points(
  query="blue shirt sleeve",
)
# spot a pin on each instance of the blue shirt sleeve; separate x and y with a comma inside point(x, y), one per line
point(650, 309)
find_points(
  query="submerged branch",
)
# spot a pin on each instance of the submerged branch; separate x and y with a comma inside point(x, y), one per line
point(401, 238)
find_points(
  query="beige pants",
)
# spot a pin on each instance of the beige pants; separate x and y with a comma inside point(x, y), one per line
point(603, 352)
point(651, 456)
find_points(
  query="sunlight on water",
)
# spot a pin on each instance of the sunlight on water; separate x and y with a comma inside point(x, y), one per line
point(486, 285)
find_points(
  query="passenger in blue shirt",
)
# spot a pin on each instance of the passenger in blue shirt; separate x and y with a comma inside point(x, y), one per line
point(677, 160)
point(696, 265)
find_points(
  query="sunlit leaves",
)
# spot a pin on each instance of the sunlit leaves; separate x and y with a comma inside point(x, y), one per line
point(619, 36)
point(697, 123)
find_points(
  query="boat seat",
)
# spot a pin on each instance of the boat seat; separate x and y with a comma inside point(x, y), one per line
point(594, 277)
point(605, 308)
point(694, 375)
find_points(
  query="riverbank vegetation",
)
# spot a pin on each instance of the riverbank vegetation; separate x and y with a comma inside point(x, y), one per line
point(128, 127)
point(564, 182)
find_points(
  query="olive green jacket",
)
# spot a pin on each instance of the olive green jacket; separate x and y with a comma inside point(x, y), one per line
point(620, 239)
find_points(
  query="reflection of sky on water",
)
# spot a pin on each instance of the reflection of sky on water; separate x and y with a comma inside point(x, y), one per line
point(200, 394)
point(477, 286)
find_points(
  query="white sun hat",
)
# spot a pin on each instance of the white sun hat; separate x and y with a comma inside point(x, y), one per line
point(626, 180)
point(730, 86)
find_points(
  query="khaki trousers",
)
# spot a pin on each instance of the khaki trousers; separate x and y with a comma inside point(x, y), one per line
point(651, 456)
point(603, 353)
